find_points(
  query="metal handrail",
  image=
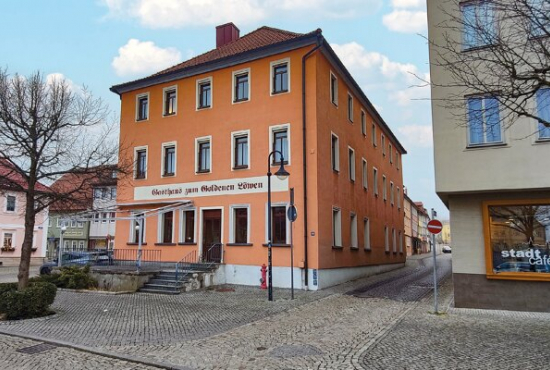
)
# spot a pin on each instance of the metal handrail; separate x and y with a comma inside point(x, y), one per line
point(188, 259)
point(211, 256)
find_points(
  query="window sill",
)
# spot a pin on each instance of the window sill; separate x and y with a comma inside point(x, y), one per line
point(542, 140)
point(387, 252)
point(337, 247)
point(187, 243)
point(130, 243)
point(202, 171)
point(368, 249)
point(275, 164)
point(236, 168)
point(139, 178)
point(277, 245)
point(169, 175)
point(354, 248)
point(336, 171)
point(240, 101)
point(486, 146)
point(279, 92)
point(166, 244)
point(479, 48)
point(169, 114)
point(335, 104)
point(240, 244)
point(142, 119)
point(205, 107)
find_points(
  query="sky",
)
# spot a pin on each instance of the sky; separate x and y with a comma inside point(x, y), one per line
point(100, 43)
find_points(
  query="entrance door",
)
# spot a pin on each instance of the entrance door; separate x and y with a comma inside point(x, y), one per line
point(211, 234)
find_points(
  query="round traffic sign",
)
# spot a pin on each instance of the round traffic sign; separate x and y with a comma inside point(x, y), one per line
point(292, 213)
point(435, 226)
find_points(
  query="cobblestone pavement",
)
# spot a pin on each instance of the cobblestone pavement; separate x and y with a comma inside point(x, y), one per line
point(319, 330)
point(46, 356)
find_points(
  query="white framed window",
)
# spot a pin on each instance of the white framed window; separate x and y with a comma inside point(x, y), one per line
point(135, 227)
point(397, 160)
point(350, 107)
point(140, 162)
point(383, 143)
point(353, 230)
point(479, 24)
point(96, 218)
point(239, 224)
point(363, 123)
point(391, 193)
point(73, 224)
point(336, 227)
point(66, 244)
point(366, 234)
point(142, 107)
point(391, 153)
point(384, 188)
point(351, 163)
point(240, 150)
point(241, 86)
point(204, 93)
point(400, 243)
point(394, 240)
point(8, 239)
point(280, 224)
point(169, 101)
point(364, 173)
point(81, 244)
point(335, 152)
point(333, 89)
point(166, 226)
point(10, 203)
point(483, 121)
point(398, 195)
point(279, 81)
point(373, 135)
point(386, 239)
point(80, 224)
point(203, 154)
point(543, 111)
point(375, 180)
point(279, 139)
point(169, 159)
point(104, 216)
point(187, 226)
point(73, 244)
point(113, 217)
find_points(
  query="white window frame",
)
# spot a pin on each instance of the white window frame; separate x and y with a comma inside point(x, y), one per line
point(397, 193)
point(375, 180)
point(383, 143)
point(138, 97)
point(351, 163)
point(104, 216)
point(13, 236)
point(199, 82)
point(162, 158)
point(391, 193)
point(350, 109)
point(333, 99)
point(374, 135)
point(365, 178)
point(232, 222)
point(136, 149)
point(81, 244)
point(364, 123)
point(394, 240)
point(288, 224)
point(271, 67)
point(133, 223)
point(335, 157)
point(384, 187)
point(160, 226)
point(164, 91)
point(336, 227)
point(65, 244)
point(281, 127)
point(14, 203)
point(390, 148)
point(73, 224)
point(386, 239)
point(200, 140)
point(182, 222)
point(366, 234)
point(353, 231)
point(235, 134)
point(80, 224)
point(400, 242)
point(74, 244)
point(234, 75)
point(397, 159)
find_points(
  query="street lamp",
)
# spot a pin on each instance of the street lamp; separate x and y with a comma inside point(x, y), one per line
point(59, 251)
point(139, 229)
point(281, 174)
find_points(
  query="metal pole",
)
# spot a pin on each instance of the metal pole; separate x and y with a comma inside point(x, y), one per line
point(59, 251)
point(140, 236)
point(435, 266)
point(269, 263)
point(291, 247)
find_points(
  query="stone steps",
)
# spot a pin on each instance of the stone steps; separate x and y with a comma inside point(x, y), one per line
point(188, 279)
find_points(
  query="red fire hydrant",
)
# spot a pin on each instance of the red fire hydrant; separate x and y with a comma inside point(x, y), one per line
point(263, 280)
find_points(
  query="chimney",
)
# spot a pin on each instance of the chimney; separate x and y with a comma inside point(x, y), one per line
point(226, 33)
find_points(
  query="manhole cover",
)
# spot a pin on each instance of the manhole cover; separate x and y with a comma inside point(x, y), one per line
point(39, 348)
point(295, 351)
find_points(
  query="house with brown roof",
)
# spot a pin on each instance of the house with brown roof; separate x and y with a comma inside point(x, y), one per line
point(206, 132)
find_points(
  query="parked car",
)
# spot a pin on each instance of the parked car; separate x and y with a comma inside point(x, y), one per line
point(78, 259)
point(446, 249)
point(514, 266)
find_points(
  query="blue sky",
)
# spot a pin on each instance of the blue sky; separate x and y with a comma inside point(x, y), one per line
point(99, 43)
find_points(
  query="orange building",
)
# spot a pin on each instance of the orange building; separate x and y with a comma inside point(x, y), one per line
point(202, 131)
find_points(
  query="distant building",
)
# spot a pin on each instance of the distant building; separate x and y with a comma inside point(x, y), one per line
point(416, 221)
point(12, 218)
point(445, 236)
point(102, 228)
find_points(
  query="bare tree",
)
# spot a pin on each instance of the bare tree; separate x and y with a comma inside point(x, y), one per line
point(49, 128)
point(498, 48)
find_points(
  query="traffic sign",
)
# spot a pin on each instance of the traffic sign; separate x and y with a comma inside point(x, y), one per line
point(435, 226)
point(292, 213)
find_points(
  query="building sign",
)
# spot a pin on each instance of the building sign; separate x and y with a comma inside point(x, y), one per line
point(210, 188)
point(520, 238)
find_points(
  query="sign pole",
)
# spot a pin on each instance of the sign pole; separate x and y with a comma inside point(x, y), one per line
point(433, 230)
point(292, 219)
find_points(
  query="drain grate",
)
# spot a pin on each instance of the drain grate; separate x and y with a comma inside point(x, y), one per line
point(39, 348)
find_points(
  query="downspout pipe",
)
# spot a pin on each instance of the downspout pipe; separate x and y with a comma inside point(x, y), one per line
point(304, 148)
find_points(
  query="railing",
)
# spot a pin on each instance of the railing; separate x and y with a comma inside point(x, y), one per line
point(122, 257)
point(187, 261)
point(117, 257)
point(214, 254)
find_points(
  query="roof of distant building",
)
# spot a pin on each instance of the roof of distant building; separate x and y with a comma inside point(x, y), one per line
point(12, 179)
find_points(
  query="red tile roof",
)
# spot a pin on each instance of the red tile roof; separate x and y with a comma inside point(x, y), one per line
point(11, 179)
point(259, 38)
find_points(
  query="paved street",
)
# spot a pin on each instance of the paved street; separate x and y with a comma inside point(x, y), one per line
point(353, 326)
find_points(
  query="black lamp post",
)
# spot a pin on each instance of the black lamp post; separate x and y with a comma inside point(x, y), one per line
point(281, 174)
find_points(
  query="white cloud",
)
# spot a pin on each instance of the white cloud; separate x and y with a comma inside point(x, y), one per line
point(408, 3)
point(416, 135)
point(138, 57)
point(185, 13)
point(58, 77)
point(406, 21)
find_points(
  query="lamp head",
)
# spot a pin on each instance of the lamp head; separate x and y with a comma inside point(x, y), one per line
point(63, 228)
point(281, 173)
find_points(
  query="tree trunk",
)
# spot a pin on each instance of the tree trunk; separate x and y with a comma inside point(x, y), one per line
point(30, 214)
